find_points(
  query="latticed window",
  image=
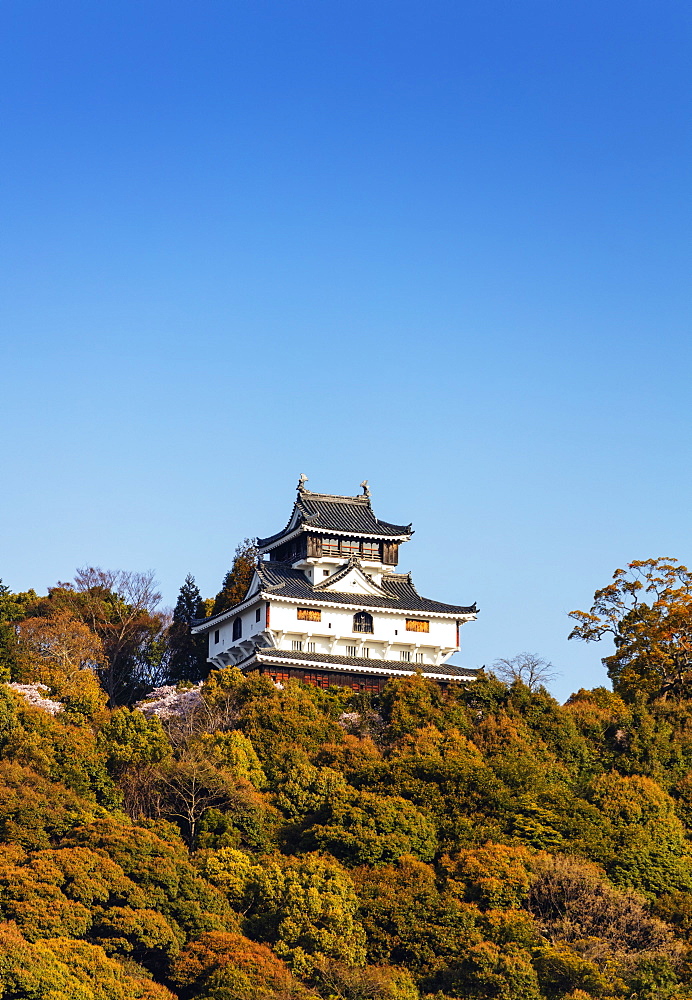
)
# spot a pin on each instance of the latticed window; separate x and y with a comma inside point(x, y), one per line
point(351, 651)
point(297, 646)
point(237, 627)
point(419, 657)
point(350, 548)
point(279, 675)
point(316, 679)
point(366, 652)
point(371, 550)
point(310, 614)
point(416, 625)
point(362, 622)
point(405, 655)
point(311, 647)
point(330, 546)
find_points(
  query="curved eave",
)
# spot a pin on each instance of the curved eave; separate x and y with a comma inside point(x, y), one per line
point(209, 623)
point(461, 613)
point(382, 668)
point(274, 541)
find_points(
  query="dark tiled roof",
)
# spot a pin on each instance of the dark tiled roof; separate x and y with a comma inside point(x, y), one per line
point(284, 581)
point(348, 514)
point(358, 662)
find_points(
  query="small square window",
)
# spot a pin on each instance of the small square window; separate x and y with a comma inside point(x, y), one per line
point(309, 614)
point(258, 614)
point(297, 645)
point(311, 647)
point(417, 625)
point(366, 652)
point(325, 572)
point(351, 651)
point(405, 655)
point(216, 636)
point(419, 657)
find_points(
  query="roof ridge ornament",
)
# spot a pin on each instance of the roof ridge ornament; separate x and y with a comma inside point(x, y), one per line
point(365, 488)
point(302, 480)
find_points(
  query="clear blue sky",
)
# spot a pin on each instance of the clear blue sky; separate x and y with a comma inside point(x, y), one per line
point(444, 246)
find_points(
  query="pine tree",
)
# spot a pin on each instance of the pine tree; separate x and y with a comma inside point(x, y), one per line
point(187, 652)
point(237, 580)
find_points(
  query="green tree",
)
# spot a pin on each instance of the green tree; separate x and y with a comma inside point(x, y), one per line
point(305, 907)
point(135, 747)
point(237, 579)
point(409, 703)
point(647, 848)
point(363, 828)
point(156, 860)
point(187, 653)
point(13, 607)
point(410, 921)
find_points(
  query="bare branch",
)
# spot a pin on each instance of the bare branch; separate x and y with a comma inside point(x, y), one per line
point(526, 668)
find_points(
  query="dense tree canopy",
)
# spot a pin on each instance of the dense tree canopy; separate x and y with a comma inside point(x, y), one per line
point(266, 843)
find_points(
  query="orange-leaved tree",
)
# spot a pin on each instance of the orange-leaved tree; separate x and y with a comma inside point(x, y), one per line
point(120, 608)
point(647, 610)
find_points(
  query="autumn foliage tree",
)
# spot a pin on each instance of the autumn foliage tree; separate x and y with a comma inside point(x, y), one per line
point(237, 579)
point(120, 609)
point(261, 842)
point(647, 610)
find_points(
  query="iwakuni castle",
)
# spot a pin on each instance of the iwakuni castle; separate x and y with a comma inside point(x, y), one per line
point(326, 606)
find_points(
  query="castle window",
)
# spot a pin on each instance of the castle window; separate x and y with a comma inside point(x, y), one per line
point(419, 657)
point(309, 614)
point(366, 652)
point(351, 651)
point(405, 655)
point(350, 548)
point(216, 636)
point(297, 645)
point(258, 614)
point(416, 625)
point(362, 622)
point(371, 550)
point(330, 547)
point(237, 627)
point(311, 647)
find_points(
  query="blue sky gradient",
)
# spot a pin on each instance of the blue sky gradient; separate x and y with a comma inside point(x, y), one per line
point(444, 246)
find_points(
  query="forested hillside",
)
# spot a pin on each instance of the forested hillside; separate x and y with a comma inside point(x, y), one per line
point(241, 841)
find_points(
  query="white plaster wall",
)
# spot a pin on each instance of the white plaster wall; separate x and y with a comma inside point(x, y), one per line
point(389, 628)
point(250, 628)
point(314, 568)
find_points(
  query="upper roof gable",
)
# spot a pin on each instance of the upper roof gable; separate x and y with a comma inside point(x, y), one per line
point(325, 512)
point(350, 579)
